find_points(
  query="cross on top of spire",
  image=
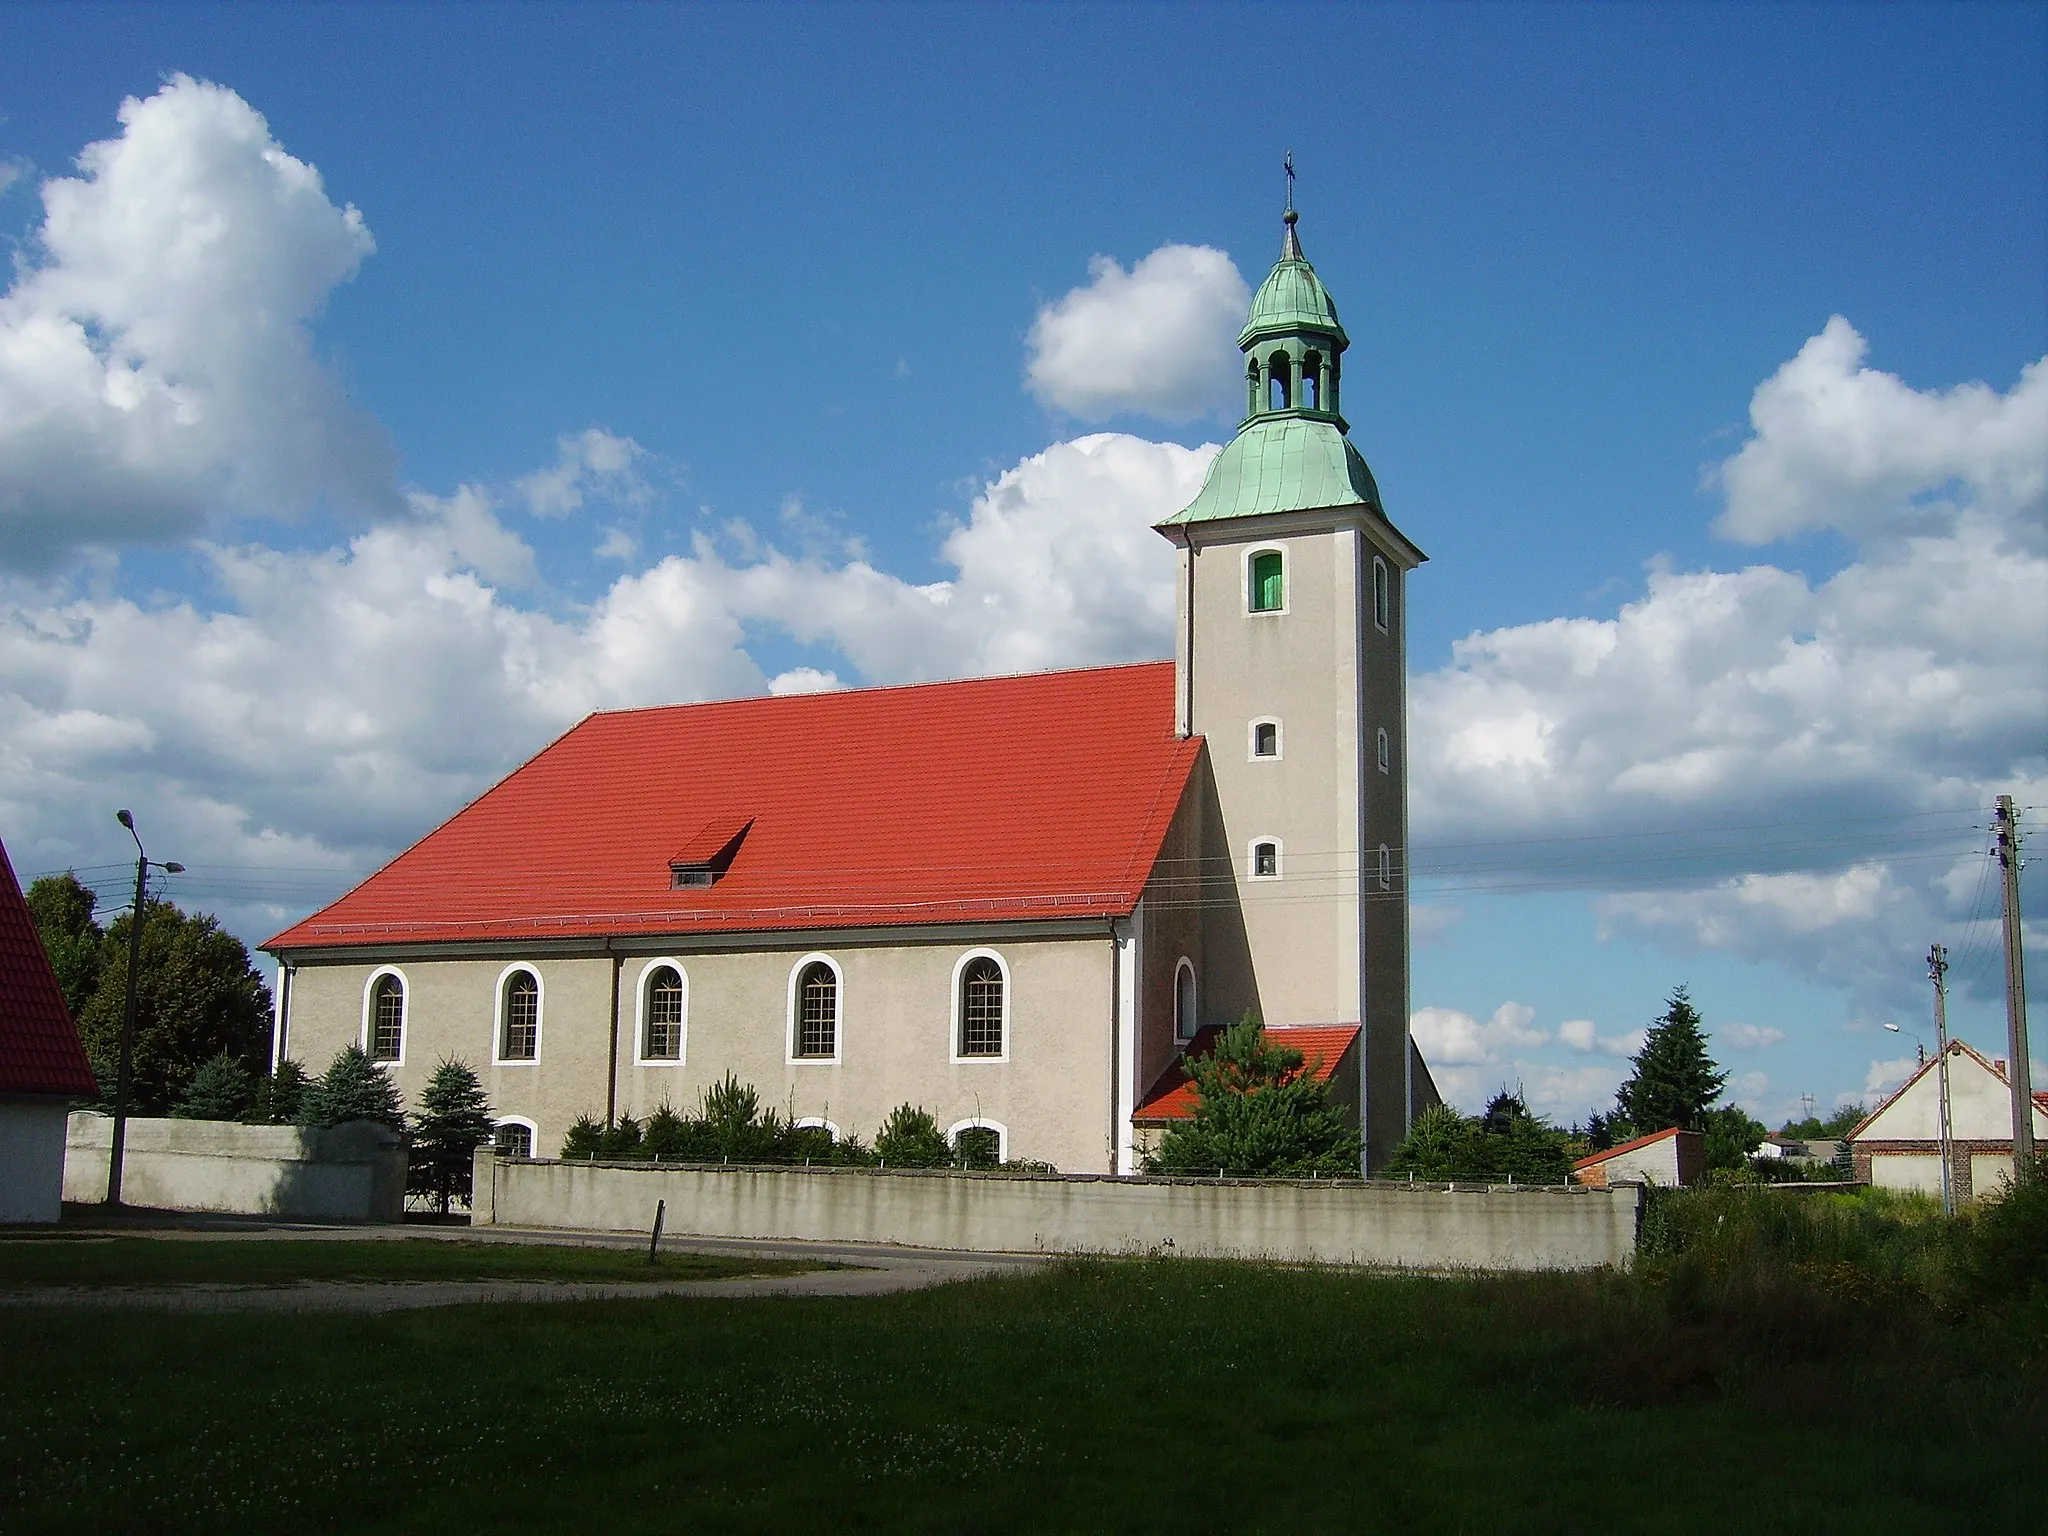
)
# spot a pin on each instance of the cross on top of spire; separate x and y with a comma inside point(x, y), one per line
point(1290, 248)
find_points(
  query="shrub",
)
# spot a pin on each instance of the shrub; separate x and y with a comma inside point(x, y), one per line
point(1506, 1144)
point(978, 1147)
point(352, 1088)
point(1258, 1111)
point(220, 1090)
point(2004, 1259)
point(911, 1138)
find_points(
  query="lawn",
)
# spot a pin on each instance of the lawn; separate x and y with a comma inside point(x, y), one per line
point(108, 1261)
point(1155, 1395)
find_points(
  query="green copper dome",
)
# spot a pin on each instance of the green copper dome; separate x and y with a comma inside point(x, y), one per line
point(1283, 464)
point(1292, 298)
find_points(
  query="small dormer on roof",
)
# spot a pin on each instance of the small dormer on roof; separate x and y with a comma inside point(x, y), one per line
point(705, 857)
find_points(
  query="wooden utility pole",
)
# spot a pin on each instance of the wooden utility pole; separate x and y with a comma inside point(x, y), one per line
point(1937, 972)
point(2019, 1070)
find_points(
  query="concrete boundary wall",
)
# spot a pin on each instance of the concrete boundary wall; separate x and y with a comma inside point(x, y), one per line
point(1294, 1221)
point(353, 1172)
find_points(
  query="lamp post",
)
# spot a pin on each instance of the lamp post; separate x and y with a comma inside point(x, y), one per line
point(142, 866)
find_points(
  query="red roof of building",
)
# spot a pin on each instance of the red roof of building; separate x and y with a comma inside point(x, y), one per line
point(39, 1049)
point(1626, 1146)
point(1173, 1097)
point(1045, 796)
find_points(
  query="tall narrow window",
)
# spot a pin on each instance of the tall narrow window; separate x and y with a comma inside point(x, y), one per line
point(1381, 597)
point(1265, 861)
point(1386, 868)
point(1269, 582)
point(520, 1038)
point(664, 1015)
point(387, 1019)
point(1311, 381)
point(1279, 372)
point(817, 1011)
point(1266, 739)
point(1386, 751)
point(1184, 1002)
point(981, 1008)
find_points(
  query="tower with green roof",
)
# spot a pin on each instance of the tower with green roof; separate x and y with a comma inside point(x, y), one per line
point(1291, 663)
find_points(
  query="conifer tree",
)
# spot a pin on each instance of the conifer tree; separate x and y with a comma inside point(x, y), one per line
point(453, 1120)
point(220, 1090)
point(911, 1138)
point(1675, 1081)
point(280, 1095)
point(1258, 1112)
point(352, 1088)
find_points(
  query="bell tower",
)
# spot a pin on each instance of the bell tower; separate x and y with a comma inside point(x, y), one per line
point(1291, 664)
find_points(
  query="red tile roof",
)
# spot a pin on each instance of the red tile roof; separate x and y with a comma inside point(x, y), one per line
point(39, 1049)
point(1626, 1146)
point(1173, 1097)
point(1043, 796)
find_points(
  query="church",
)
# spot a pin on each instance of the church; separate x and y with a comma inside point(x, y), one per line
point(1013, 901)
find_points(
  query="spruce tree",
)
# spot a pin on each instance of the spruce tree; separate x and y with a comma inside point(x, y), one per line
point(1258, 1112)
point(352, 1088)
point(280, 1095)
point(911, 1138)
point(1675, 1081)
point(453, 1120)
point(220, 1090)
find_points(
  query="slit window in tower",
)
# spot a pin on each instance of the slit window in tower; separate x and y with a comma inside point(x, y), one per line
point(1269, 585)
point(1381, 604)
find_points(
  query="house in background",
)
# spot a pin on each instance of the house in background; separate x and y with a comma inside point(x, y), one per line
point(1898, 1146)
point(1012, 901)
point(42, 1065)
point(1668, 1158)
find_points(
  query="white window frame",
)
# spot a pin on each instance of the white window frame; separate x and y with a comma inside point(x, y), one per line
point(1382, 594)
point(816, 1123)
point(789, 1033)
point(1386, 868)
point(1244, 582)
point(1251, 740)
point(953, 1039)
point(1251, 858)
point(532, 1131)
point(1185, 965)
point(1386, 751)
point(982, 1123)
point(540, 1014)
point(404, 1014)
point(640, 989)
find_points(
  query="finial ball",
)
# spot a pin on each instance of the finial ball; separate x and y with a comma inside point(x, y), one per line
point(1290, 216)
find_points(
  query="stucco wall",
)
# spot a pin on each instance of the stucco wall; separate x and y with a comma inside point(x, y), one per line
point(352, 1172)
point(32, 1158)
point(1335, 1223)
point(1052, 1093)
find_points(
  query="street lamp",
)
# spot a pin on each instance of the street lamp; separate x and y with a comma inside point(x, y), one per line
point(1948, 1197)
point(142, 866)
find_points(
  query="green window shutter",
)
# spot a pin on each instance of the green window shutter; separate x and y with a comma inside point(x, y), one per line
point(1268, 594)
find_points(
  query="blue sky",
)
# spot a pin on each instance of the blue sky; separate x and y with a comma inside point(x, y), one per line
point(801, 270)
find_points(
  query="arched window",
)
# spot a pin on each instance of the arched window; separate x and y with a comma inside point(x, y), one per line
point(1386, 751)
point(978, 1144)
point(1265, 738)
point(1266, 859)
point(1184, 1024)
point(387, 1018)
point(1386, 868)
point(1279, 375)
point(513, 1138)
point(661, 1033)
point(1267, 588)
point(981, 1007)
point(1311, 381)
point(1382, 597)
point(519, 1017)
point(815, 1003)
point(1251, 388)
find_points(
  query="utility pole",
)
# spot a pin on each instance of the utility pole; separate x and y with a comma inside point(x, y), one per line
point(1937, 970)
point(2019, 1069)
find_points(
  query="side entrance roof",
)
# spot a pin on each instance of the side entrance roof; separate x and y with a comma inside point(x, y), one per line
point(995, 799)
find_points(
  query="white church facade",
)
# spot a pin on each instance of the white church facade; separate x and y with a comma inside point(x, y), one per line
point(1013, 901)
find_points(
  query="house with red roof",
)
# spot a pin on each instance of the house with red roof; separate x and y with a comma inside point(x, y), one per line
point(42, 1065)
point(1898, 1145)
point(1014, 901)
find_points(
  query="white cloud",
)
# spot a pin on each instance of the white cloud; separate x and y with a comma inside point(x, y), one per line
point(11, 171)
point(1583, 1035)
point(1840, 445)
point(1159, 339)
point(617, 544)
point(592, 462)
point(155, 362)
point(1454, 1038)
point(804, 680)
point(1748, 1037)
point(1884, 1077)
point(1787, 740)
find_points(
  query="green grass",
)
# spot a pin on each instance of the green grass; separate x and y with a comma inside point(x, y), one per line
point(95, 1261)
point(1138, 1396)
